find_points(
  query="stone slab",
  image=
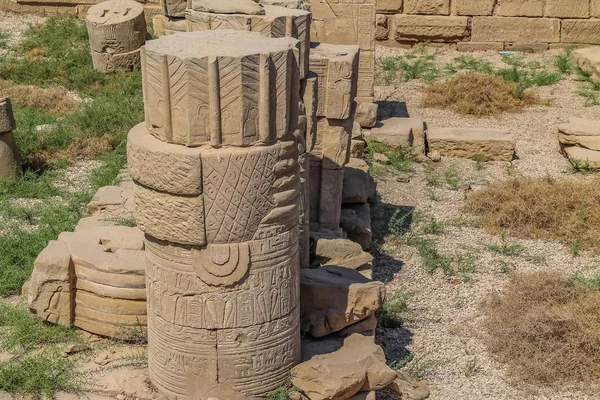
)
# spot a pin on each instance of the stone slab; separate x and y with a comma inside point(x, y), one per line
point(434, 28)
point(397, 131)
point(479, 46)
point(588, 59)
point(581, 31)
point(591, 157)
point(530, 30)
point(474, 7)
point(492, 144)
point(389, 6)
point(520, 8)
point(427, 7)
point(567, 9)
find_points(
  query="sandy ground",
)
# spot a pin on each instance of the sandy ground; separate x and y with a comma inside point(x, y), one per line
point(445, 335)
point(14, 25)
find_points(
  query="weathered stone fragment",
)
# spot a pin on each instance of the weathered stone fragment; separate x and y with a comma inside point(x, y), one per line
point(399, 132)
point(583, 156)
point(7, 118)
point(174, 8)
point(275, 22)
point(389, 6)
point(335, 67)
point(164, 25)
point(520, 8)
point(365, 327)
point(382, 28)
point(239, 98)
point(357, 148)
point(355, 220)
point(581, 31)
point(348, 22)
point(492, 144)
point(414, 28)
point(327, 250)
point(117, 30)
point(10, 163)
point(366, 114)
point(581, 133)
point(588, 59)
point(359, 365)
point(474, 7)
point(530, 30)
point(228, 7)
point(409, 388)
point(427, 7)
point(356, 182)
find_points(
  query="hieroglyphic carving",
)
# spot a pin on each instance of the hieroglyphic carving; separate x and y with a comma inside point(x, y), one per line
point(116, 30)
point(193, 98)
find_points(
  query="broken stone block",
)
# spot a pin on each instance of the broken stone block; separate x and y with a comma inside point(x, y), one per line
point(357, 149)
point(359, 365)
point(355, 220)
point(333, 297)
point(398, 131)
point(173, 8)
point(581, 133)
point(164, 25)
point(588, 59)
point(382, 28)
point(10, 162)
point(7, 118)
point(366, 114)
point(413, 28)
point(356, 182)
point(409, 388)
point(117, 30)
point(492, 144)
point(365, 327)
point(341, 252)
point(427, 7)
point(274, 22)
point(191, 100)
point(381, 159)
point(249, 7)
point(583, 156)
point(336, 67)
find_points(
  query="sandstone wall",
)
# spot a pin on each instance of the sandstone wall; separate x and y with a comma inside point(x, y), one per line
point(489, 24)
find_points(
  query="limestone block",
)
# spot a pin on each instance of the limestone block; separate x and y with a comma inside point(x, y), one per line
point(330, 198)
point(479, 46)
point(588, 59)
point(355, 220)
point(595, 8)
point(366, 114)
point(492, 144)
point(581, 31)
point(222, 88)
point(359, 365)
point(228, 7)
point(333, 297)
point(382, 29)
point(520, 8)
point(530, 30)
point(357, 148)
point(571, 9)
point(10, 163)
point(409, 388)
point(580, 132)
point(474, 7)
point(116, 30)
point(309, 94)
point(434, 28)
point(7, 118)
point(174, 8)
point(170, 217)
point(49, 294)
point(356, 182)
point(348, 23)
point(398, 132)
point(275, 22)
point(389, 6)
point(357, 131)
point(582, 155)
point(427, 7)
point(163, 166)
point(164, 25)
point(336, 68)
point(333, 142)
point(340, 252)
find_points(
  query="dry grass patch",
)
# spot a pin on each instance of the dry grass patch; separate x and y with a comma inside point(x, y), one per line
point(479, 95)
point(563, 210)
point(56, 100)
point(546, 328)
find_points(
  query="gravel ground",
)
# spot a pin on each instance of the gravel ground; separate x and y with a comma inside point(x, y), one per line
point(445, 336)
point(14, 25)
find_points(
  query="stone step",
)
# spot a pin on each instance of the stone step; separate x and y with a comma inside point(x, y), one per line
point(582, 155)
point(397, 131)
point(492, 144)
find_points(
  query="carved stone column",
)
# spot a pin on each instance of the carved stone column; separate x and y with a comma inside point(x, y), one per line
point(10, 163)
point(116, 30)
point(217, 177)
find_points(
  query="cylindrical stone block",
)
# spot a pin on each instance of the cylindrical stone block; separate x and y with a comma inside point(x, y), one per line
point(276, 22)
point(222, 88)
point(117, 30)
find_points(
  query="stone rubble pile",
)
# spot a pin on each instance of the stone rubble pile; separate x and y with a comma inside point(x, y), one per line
point(254, 215)
point(580, 141)
point(10, 163)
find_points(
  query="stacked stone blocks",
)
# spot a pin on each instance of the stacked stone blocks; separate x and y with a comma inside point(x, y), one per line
point(489, 24)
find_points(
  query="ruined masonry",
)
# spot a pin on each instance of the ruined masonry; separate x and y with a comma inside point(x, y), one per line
point(117, 30)
point(10, 164)
point(217, 195)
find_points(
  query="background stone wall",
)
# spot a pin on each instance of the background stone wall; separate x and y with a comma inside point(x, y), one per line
point(489, 24)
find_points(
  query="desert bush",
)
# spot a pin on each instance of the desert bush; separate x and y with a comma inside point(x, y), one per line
point(477, 94)
point(546, 329)
point(565, 210)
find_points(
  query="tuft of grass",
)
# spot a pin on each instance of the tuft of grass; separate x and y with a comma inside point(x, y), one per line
point(40, 376)
point(417, 64)
point(563, 210)
point(401, 158)
point(478, 94)
point(479, 162)
point(526, 74)
point(563, 61)
point(507, 249)
point(283, 392)
point(395, 311)
point(471, 64)
point(546, 328)
point(452, 177)
point(4, 36)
